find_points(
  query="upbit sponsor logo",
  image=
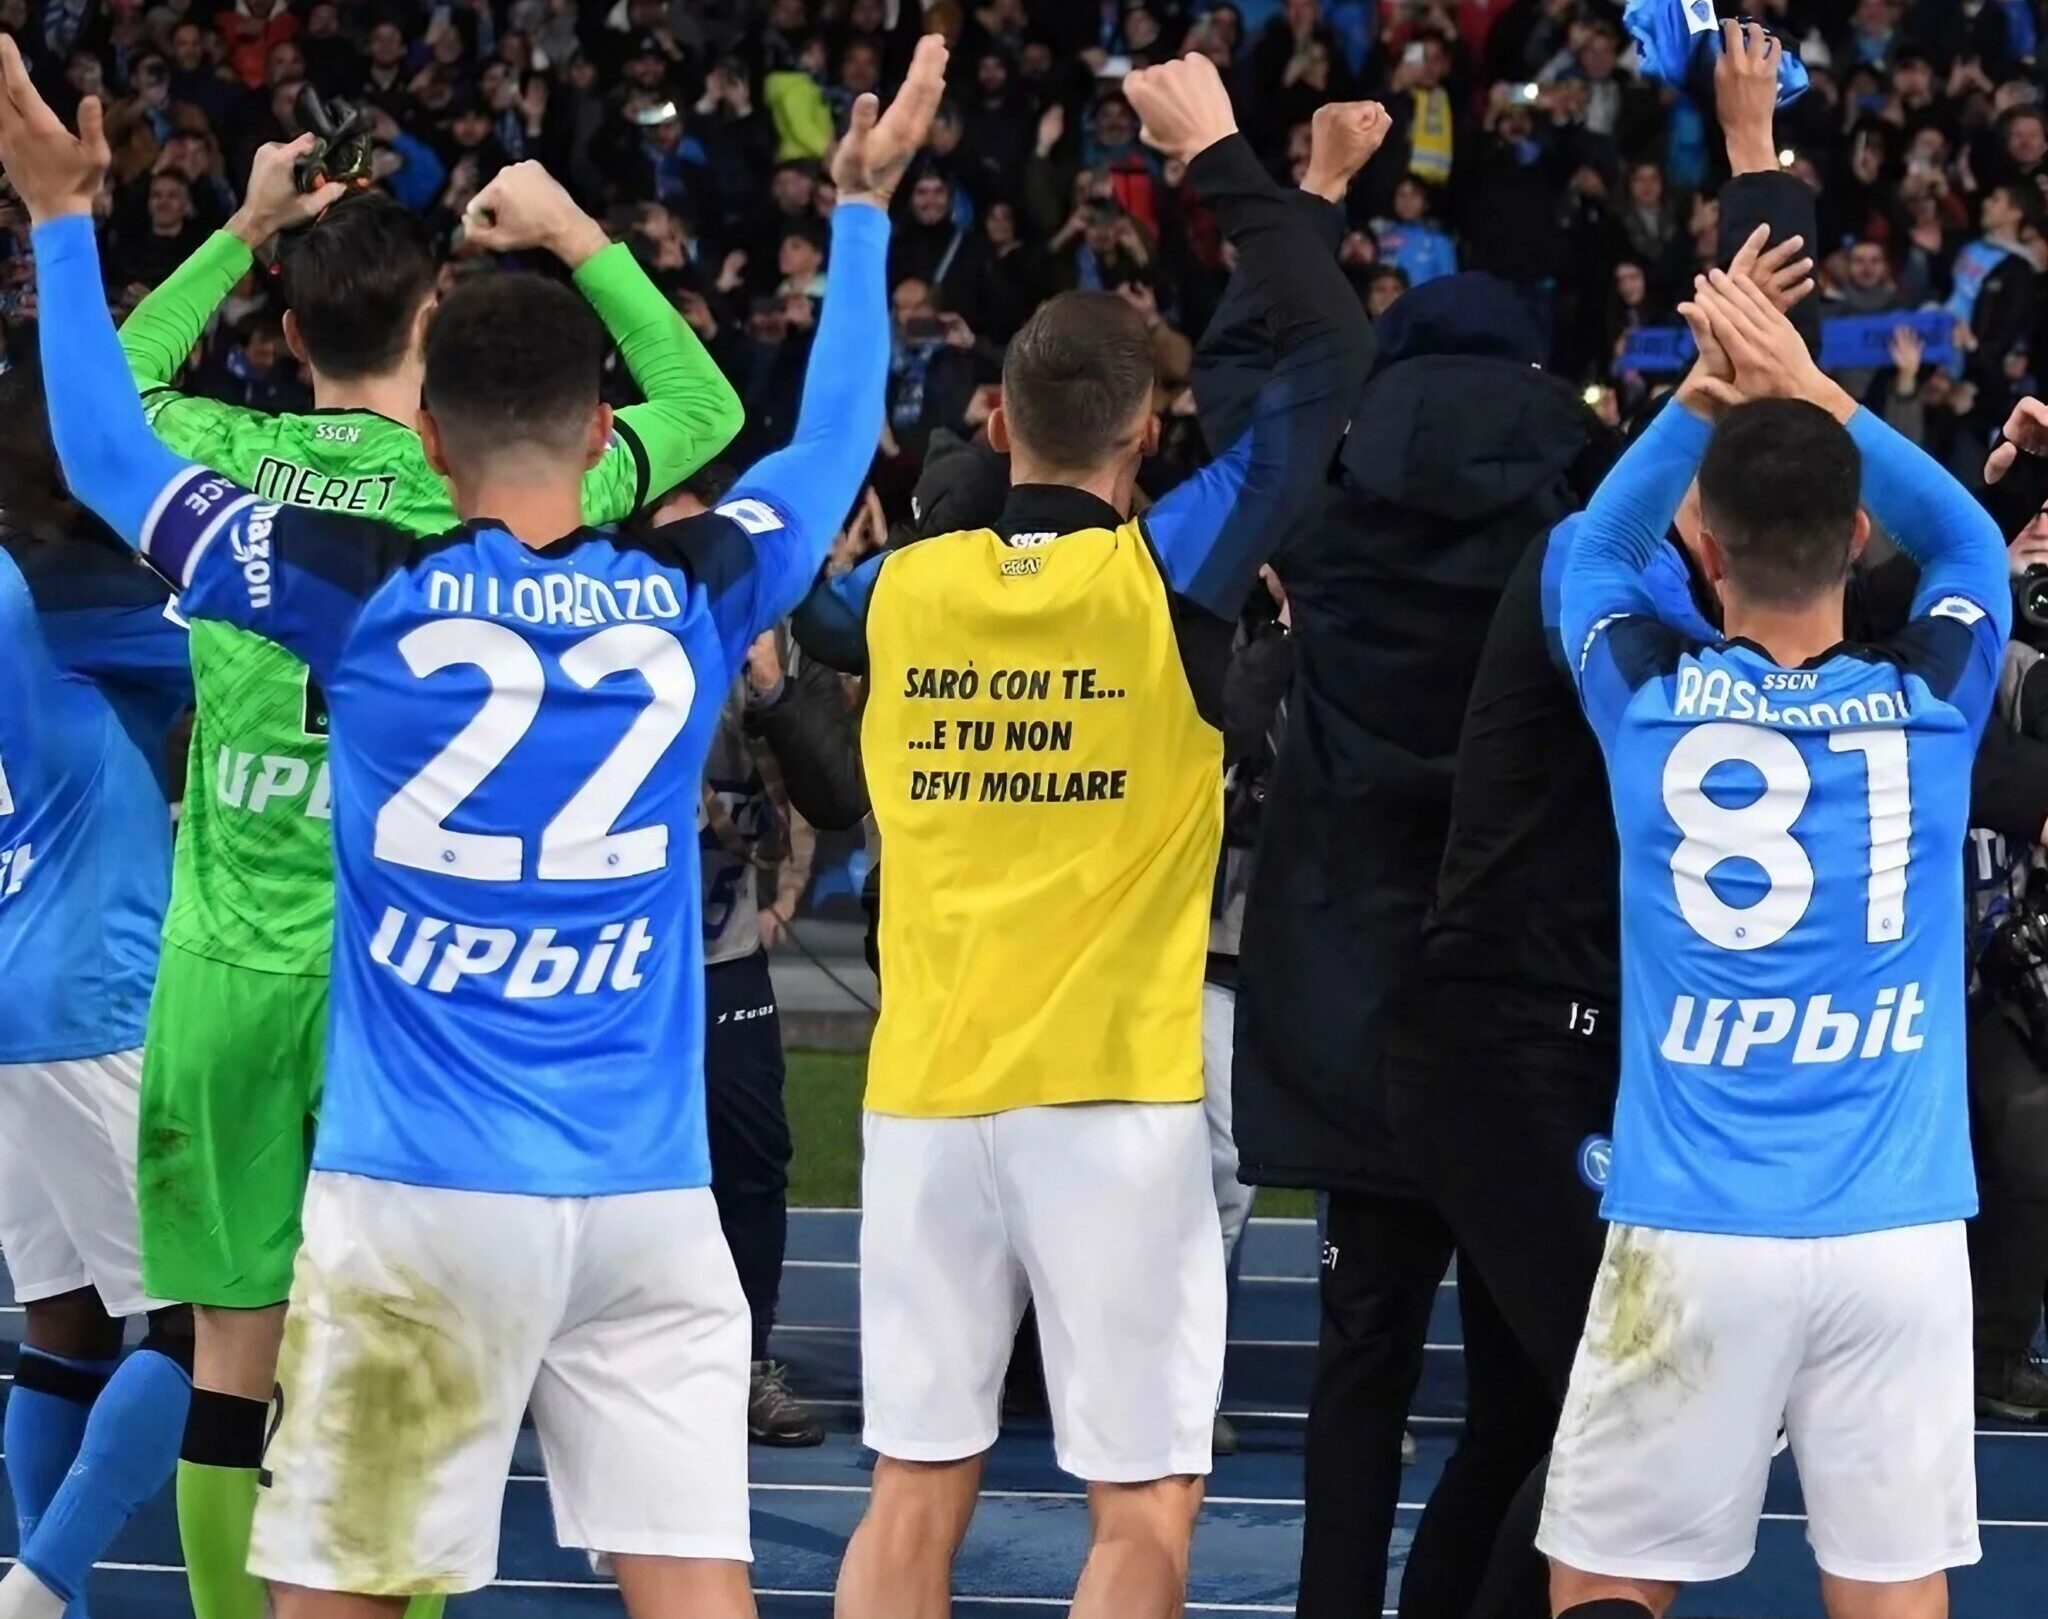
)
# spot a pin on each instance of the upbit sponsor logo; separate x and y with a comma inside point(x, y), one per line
point(1702, 1034)
point(526, 965)
point(273, 783)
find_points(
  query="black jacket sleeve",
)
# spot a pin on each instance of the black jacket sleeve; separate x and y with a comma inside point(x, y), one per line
point(1236, 351)
point(1783, 202)
point(816, 742)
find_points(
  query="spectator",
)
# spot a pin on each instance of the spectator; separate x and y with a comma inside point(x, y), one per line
point(1512, 193)
point(260, 372)
point(801, 261)
point(1929, 238)
point(250, 29)
point(932, 246)
point(1609, 106)
point(2024, 132)
point(1410, 241)
point(165, 239)
point(933, 366)
point(1012, 278)
point(658, 159)
point(1650, 222)
point(1992, 292)
point(1384, 284)
point(333, 64)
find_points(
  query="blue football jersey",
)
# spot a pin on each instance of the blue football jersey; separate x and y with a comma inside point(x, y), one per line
point(1792, 908)
point(92, 674)
point(517, 742)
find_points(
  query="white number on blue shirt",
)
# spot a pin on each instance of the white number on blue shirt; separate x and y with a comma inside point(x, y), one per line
point(579, 842)
point(1761, 831)
point(6, 792)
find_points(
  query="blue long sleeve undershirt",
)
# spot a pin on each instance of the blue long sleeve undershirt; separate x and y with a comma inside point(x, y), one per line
point(111, 459)
point(816, 478)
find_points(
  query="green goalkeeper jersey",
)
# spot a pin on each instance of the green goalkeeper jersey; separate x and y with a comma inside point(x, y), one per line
point(253, 882)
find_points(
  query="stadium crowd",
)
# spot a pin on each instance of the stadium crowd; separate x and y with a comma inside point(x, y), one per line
point(1523, 221)
point(1524, 144)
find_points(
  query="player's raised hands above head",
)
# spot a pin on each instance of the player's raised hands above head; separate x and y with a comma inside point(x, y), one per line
point(1767, 356)
point(1182, 105)
point(1783, 274)
point(1343, 136)
point(878, 146)
point(275, 203)
point(55, 171)
point(523, 207)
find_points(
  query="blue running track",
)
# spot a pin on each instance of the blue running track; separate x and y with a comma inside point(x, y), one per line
point(1027, 1540)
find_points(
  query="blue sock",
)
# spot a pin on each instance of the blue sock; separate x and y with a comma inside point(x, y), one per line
point(46, 1415)
point(128, 1453)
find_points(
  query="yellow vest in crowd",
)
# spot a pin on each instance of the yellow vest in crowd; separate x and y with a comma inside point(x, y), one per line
point(1051, 804)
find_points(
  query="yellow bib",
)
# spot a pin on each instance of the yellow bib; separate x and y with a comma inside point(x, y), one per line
point(1051, 809)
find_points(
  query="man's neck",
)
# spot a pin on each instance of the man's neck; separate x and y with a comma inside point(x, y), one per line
point(536, 508)
point(1792, 636)
point(395, 395)
point(1115, 485)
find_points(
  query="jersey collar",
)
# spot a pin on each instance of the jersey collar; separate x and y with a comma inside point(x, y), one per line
point(1052, 508)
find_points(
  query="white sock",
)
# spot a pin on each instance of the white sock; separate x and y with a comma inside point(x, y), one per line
point(23, 1596)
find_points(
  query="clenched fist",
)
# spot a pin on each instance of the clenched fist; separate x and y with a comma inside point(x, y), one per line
point(1343, 137)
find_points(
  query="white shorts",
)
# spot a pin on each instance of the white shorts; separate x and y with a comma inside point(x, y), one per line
point(1103, 1214)
point(1697, 1347)
point(423, 1323)
point(67, 1179)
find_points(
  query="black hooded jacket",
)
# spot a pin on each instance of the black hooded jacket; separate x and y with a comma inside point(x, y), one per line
point(1461, 452)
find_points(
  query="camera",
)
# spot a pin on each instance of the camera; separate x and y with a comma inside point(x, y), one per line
point(2030, 606)
point(2014, 969)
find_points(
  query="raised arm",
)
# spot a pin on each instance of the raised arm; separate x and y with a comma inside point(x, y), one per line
point(1619, 536)
point(1213, 532)
point(791, 503)
point(112, 461)
point(691, 411)
point(1236, 349)
point(160, 335)
point(1932, 517)
point(296, 577)
point(1934, 520)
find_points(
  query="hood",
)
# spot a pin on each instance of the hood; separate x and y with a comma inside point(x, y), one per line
point(1472, 313)
point(963, 485)
point(1463, 437)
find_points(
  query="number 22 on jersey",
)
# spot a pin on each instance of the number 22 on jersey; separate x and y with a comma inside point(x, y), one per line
point(579, 842)
point(1760, 831)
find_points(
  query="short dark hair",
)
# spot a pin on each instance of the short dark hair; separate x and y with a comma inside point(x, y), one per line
point(355, 281)
point(2025, 200)
point(1779, 488)
point(513, 359)
point(1075, 375)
